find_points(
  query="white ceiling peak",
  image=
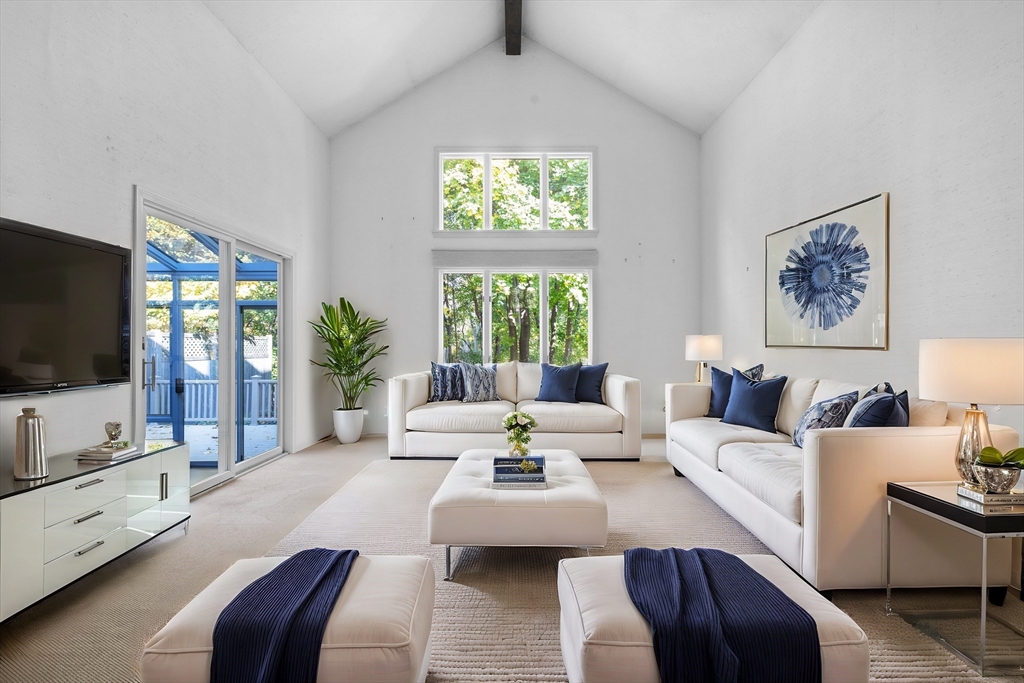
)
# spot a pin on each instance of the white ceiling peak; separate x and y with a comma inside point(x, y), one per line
point(342, 60)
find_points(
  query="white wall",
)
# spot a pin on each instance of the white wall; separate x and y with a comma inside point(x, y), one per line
point(98, 97)
point(383, 205)
point(922, 100)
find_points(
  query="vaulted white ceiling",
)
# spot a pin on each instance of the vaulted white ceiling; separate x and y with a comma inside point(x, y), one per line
point(342, 60)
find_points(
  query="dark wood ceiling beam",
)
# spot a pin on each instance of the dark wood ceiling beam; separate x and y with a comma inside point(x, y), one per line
point(513, 27)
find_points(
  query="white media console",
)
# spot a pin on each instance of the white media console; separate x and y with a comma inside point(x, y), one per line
point(56, 530)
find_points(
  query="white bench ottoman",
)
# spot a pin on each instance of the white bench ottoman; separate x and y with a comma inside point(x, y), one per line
point(466, 511)
point(605, 639)
point(379, 630)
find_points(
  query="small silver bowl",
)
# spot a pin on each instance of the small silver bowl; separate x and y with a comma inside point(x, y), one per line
point(996, 479)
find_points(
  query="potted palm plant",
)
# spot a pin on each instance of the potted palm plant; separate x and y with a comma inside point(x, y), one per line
point(350, 348)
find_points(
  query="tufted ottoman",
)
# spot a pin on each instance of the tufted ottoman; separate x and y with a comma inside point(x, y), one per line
point(605, 639)
point(379, 630)
point(466, 511)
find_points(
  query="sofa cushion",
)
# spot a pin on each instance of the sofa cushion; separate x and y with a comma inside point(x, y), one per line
point(721, 387)
point(703, 436)
point(446, 383)
point(456, 416)
point(588, 387)
point(754, 404)
point(527, 381)
point(572, 417)
point(773, 473)
point(796, 399)
point(829, 414)
point(830, 388)
point(507, 381)
point(882, 407)
point(558, 383)
point(481, 383)
point(924, 413)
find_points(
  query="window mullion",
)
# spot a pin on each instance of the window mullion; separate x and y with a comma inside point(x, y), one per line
point(488, 343)
point(542, 316)
point(487, 192)
point(544, 192)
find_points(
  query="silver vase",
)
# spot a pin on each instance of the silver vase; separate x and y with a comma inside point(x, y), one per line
point(30, 446)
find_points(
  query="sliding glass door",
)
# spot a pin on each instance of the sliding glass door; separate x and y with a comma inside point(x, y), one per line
point(256, 353)
point(211, 375)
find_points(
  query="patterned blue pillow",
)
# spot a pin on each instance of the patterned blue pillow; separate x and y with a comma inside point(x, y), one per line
point(824, 415)
point(446, 383)
point(882, 407)
point(481, 382)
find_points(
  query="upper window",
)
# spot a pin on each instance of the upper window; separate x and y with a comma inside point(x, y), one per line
point(516, 191)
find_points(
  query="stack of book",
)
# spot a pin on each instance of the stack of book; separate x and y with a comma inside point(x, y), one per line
point(106, 454)
point(519, 473)
point(1011, 503)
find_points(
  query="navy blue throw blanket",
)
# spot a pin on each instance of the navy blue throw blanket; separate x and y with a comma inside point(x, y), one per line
point(714, 619)
point(272, 630)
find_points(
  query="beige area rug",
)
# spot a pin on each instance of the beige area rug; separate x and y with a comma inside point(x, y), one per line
point(498, 620)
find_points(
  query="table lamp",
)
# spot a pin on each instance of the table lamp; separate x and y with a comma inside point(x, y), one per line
point(702, 348)
point(986, 371)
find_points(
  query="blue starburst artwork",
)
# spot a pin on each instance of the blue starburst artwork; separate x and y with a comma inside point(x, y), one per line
point(825, 277)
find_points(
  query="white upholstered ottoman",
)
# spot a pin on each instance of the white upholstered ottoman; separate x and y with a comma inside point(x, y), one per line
point(466, 511)
point(605, 639)
point(379, 630)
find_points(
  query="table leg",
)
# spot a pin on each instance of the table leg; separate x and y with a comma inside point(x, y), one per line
point(447, 563)
point(984, 602)
point(888, 557)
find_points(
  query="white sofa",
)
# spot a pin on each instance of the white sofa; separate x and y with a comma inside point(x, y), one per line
point(822, 508)
point(417, 428)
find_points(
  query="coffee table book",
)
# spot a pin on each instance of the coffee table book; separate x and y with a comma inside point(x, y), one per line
point(513, 485)
point(1013, 497)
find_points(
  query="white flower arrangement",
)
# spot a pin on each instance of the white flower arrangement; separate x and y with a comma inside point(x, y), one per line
point(517, 431)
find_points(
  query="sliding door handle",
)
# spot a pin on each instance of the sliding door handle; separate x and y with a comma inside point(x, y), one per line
point(152, 373)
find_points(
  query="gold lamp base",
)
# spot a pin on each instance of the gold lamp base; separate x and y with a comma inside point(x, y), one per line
point(702, 372)
point(974, 436)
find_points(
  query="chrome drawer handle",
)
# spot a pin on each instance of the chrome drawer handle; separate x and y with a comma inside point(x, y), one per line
point(89, 516)
point(89, 483)
point(95, 545)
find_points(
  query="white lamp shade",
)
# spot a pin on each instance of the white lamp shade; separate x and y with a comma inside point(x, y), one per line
point(987, 371)
point(703, 347)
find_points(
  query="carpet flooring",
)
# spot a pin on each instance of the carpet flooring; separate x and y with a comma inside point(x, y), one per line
point(498, 621)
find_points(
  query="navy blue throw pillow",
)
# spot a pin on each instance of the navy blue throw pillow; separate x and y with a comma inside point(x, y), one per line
point(881, 408)
point(588, 386)
point(446, 383)
point(752, 403)
point(721, 386)
point(558, 384)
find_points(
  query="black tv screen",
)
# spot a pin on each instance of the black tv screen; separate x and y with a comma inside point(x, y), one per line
point(65, 310)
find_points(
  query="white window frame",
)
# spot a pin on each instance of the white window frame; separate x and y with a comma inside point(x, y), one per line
point(486, 155)
point(487, 310)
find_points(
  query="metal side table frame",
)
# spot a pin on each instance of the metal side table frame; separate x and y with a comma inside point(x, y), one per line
point(985, 537)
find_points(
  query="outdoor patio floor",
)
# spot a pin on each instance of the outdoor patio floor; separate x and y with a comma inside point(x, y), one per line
point(202, 439)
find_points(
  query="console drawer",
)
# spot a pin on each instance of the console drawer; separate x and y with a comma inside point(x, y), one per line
point(83, 560)
point(89, 493)
point(63, 537)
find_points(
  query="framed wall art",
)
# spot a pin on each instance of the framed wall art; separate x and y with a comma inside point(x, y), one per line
point(827, 280)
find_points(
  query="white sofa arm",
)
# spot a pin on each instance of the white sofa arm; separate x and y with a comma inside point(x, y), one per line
point(844, 508)
point(405, 392)
point(622, 394)
point(684, 401)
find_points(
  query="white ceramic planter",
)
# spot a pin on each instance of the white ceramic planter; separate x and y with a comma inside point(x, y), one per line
point(348, 424)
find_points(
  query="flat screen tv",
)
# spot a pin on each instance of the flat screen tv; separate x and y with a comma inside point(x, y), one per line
point(65, 311)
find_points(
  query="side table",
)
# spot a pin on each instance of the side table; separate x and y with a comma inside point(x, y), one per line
point(939, 500)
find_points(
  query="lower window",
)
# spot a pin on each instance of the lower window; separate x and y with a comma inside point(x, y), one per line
point(492, 316)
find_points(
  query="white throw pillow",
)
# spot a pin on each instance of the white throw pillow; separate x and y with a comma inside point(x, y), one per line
point(924, 413)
